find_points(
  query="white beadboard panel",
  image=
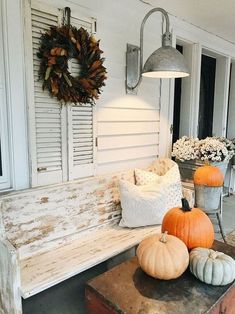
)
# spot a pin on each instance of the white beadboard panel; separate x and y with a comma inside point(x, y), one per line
point(134, 140)
point(126, 164)
point(115, 114)
point(118, 128)
point(107, 156)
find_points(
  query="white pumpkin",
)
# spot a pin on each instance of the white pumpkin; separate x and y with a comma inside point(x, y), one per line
point(211, 267)
point(163, 256)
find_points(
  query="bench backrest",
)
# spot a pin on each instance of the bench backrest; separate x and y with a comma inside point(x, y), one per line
point(41, 218)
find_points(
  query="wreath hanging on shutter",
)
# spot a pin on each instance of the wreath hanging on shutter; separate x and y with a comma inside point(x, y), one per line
point(58, 46)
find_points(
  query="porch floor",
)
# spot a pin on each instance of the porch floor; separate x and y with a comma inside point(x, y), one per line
point(68, 297)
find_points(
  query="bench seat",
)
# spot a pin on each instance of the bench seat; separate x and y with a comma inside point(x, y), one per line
point(47, 269)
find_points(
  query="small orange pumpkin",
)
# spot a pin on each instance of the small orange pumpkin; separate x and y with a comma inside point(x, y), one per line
point(209, 176)
point(191, 225)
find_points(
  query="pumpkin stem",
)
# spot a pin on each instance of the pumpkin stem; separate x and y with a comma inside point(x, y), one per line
point(185, 205)
point(213, 254)
point(163, 238)
point(207, 163)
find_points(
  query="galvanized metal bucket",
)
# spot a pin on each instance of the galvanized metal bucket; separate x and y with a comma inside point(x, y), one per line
point(188, 167)
point(207, 197)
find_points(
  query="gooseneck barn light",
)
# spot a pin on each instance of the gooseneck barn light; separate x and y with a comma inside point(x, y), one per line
point(165, 62)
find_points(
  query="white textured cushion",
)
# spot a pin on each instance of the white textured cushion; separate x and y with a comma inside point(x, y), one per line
point(142, 205)
point(171, 180)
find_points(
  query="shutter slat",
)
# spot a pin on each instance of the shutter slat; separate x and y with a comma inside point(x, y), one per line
point(82, 156)
point(83, 142)
point(53, 155)
point(82, 136)
point(49, 149)
point(45, 20)
point(83, 127)
point(41, 14)
point(83, 162)
point(81, 23)
point(43, 140)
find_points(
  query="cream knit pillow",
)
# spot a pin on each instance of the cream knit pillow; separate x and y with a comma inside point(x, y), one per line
point(142, 205)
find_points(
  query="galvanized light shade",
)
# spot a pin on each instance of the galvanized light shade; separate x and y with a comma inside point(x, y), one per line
point(165, 62)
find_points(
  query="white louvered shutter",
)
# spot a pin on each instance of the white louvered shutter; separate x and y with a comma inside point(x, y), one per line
point(61, 137)
point(48, 112)
point(81, 125)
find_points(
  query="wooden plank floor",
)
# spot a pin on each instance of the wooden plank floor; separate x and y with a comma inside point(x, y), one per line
point(65, 298)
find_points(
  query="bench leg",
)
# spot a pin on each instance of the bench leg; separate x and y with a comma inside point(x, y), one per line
point(10, 298)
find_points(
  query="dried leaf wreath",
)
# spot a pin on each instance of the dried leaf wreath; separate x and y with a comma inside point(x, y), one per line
point(60, 44)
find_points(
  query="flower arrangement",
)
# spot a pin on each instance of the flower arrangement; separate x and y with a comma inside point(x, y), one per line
point(186, 148)
point(215, 149)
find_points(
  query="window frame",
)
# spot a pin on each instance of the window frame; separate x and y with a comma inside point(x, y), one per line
point(5, 178)
point(5, 130)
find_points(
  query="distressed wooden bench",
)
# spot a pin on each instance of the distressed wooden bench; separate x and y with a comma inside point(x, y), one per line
point(50, 234)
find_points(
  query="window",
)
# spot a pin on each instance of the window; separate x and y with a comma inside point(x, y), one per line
point(207, 90)
point(62, 145)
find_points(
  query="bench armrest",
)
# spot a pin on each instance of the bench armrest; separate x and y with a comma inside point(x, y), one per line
point(10, 298)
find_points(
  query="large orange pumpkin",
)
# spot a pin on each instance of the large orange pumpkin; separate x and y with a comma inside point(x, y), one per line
point(209, 176)
point(191, 225)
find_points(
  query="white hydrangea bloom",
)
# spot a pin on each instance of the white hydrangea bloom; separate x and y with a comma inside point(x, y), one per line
point(215, 149)
point(186, 148)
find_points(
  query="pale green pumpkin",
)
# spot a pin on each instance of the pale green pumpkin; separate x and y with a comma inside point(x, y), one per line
point(211, 267)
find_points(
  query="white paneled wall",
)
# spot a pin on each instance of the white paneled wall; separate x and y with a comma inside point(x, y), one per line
point(128, 125)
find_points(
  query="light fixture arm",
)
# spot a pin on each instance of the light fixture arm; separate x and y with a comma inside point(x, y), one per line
point(166, 38)
point(165, 62)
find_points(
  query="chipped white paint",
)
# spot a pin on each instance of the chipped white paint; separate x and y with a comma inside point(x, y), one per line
point(42, 218)
point(10, 298)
